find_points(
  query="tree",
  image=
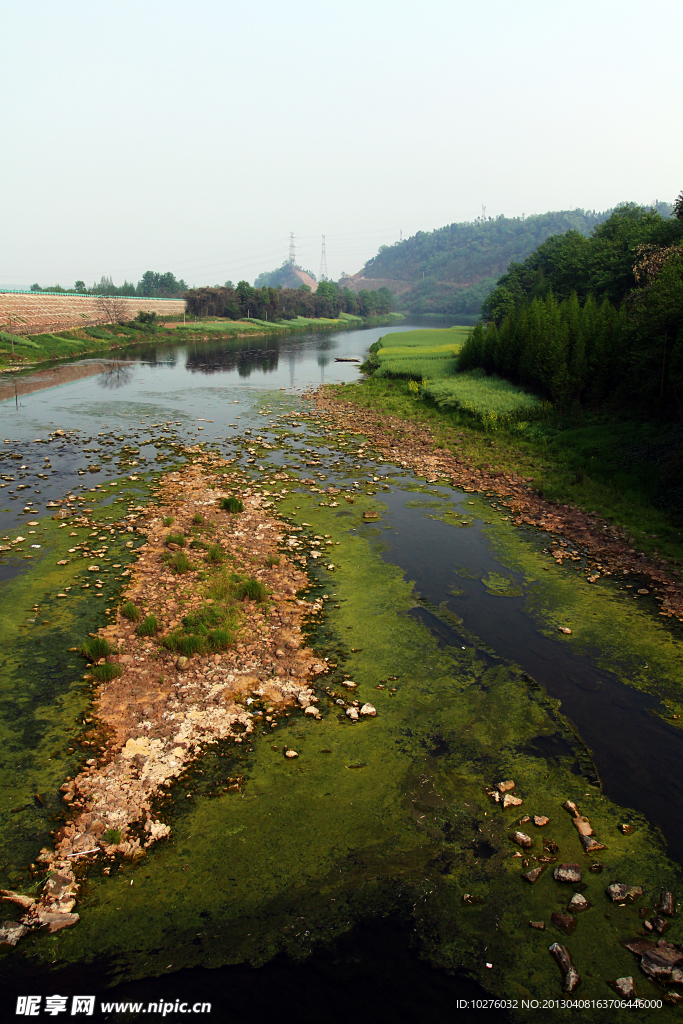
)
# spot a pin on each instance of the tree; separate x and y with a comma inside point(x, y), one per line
point(678, 207)
point(80, 286)
point(112, 309)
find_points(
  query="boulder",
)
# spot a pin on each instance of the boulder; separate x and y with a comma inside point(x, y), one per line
point(11, 932)
point(368, 709)
point(619, 893)
point(625, 988)
point(522, 839)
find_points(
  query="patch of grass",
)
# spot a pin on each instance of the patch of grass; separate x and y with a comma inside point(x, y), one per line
point(272, 560)
point(131, 611)
point(176, 538)
point(95, 648)
point(106, 672)
point(149, 626)
point(232, 504)
point(491, 400)
point(168, 521)
point(112, 836)
point(198, 519)
point(252, 589)
point(211, 628)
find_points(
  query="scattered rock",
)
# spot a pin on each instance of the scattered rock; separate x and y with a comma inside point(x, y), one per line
point(565, 922)
point(540, 820)
point(533, 875)
point(578, 903)
point(11, 932)
point(659, 923)
point(352, 713)
point(570, 806)
point(522, 839)
point(667, 904)
point(625, 988)
point(368, 709)
point(567, 873)
point(564, 629)
point(291, 753)
point(591, 845)
point(312, 712)
point(17, 897)
point(505, 787)
point(627, 830)
point(619, 893)
point(582, 825)
point(540, 925)
point(182, 662)
point(570, 975)
point(511, 801)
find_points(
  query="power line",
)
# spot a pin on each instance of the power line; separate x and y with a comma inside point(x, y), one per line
point(292, 253)
point(322, 276)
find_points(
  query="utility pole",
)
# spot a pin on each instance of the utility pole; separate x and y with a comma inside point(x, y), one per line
point(483, 212)
point(323, 264)
point(292, 253)
point(400, 235)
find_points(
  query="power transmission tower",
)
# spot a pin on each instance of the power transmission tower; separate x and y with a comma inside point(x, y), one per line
point(292, 254)
point(400, 235)
point(483, 212)
point(323, 264)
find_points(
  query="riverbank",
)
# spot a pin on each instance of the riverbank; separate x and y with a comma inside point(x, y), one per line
point(20, 352)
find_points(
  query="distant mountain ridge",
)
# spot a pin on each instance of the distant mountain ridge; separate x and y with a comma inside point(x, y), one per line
point(452, 269)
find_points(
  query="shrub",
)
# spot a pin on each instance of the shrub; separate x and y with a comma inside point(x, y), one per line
point(273, 560)
point(220, 639)
point(95, 648)
point(176, 538)
point(232, 504)
point(168, 521)
point(105, 673)
point(149, 626)
point(112, 836)
point(198, 518)
point(187, 644)
point(215, 554)
point(252, 589)
point(180, 563)
point(129, 610)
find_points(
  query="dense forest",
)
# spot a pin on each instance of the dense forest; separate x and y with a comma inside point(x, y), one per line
point(455, 267)
point(593, 321)
point(286, 303)
point(151, 285)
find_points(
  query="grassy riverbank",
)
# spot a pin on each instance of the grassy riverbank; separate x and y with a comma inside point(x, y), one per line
point(599, 464)
point(19, 351)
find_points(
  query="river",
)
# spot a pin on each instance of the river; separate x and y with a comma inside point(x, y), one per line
point(337, 886)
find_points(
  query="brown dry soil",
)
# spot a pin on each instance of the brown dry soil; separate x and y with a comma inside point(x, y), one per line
point(607, 546)
point(150, 721)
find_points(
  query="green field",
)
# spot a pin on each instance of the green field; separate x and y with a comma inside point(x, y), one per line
point(491, 400)
point(418, 355)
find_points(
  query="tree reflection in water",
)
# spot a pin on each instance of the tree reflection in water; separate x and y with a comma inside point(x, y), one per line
point(117, 375)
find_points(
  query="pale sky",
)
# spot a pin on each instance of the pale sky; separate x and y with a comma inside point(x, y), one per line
point(194, 136)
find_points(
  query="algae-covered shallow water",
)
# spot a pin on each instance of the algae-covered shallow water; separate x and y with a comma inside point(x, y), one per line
point(377, 855)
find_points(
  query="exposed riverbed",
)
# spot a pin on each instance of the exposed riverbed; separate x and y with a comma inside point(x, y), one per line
point(446, 616)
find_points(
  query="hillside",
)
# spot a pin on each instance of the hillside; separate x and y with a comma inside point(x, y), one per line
point(452, 269)
point(289, 275)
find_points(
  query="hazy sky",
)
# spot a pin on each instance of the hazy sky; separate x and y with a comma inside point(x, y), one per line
point(194, 136)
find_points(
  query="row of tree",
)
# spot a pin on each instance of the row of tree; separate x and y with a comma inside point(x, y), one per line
point(151, 285)
point(595, 321)
point(329, 300)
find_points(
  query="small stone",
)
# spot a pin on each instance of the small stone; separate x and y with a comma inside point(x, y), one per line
point(533, 875)
point(368, 709)
point(93, 568)
point(349, 684)
point(570, 806)
point(625, 988)
point(591, 845)
point(627, 830)
point(505, 787)
point(540, 925)
point(182, 662)
point(291, 753)
point(312, 712)
point(522, 839)
point(578, 903)
point(352, 713)
point(564, 629)
point(582, 825)
point(540, 820)
point(567, 873)
point(565, 922)
point(659, 923)
point(511, 801)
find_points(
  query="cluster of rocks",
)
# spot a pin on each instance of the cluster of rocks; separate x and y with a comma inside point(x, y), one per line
point(608, 549)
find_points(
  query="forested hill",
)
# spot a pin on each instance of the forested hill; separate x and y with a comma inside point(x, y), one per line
point(452, 269)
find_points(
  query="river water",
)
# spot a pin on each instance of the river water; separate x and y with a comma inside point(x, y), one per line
point(442, 546)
